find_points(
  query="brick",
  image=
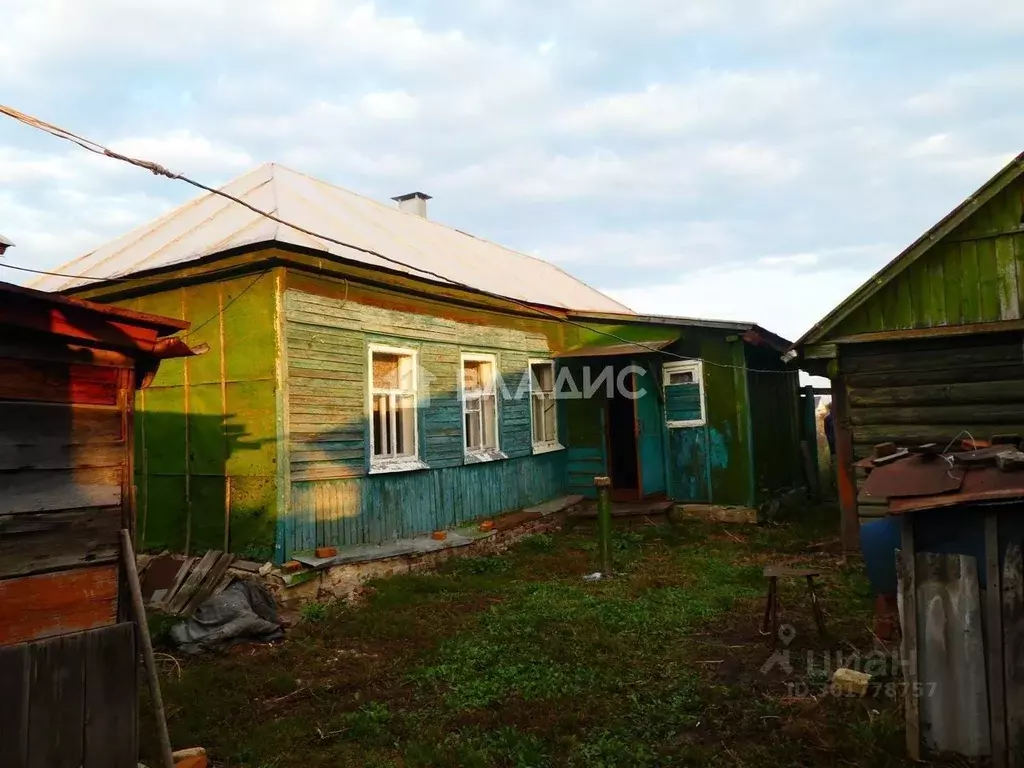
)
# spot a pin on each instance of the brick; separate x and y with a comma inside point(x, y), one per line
point(291, 566)
point(325, 552)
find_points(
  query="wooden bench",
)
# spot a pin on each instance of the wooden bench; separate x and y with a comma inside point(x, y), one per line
point(771, 608)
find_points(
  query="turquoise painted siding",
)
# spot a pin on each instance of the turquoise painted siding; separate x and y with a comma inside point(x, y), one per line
point(688, 467)
point(333, 498)
point(682, 402)
point(381, 508)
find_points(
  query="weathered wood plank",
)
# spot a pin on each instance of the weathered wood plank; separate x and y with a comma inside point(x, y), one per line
point(45, 541)
point(910, 434)
point(193, 582)
point(43, 490)
point(44, 605)
point(907, 569)
point(993, 411)
point(110, 738)
point(51, 454)
point(28, 423)
point(855, 359)
point(893, 379)
point(966, 393)
point(14, 672)
point(994, 619)
point(1013, 646)
point(57, 702)
point(210, 582)
point(183, 572)
point(57, 382)
point(334, 472)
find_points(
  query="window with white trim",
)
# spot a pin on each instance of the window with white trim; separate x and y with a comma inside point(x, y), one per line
point(542, 405)
point(479, 404)
point(684, 393)
point(393, 430)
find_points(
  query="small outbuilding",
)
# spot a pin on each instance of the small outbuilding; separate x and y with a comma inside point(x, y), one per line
point(68, 374)
point(931, 345)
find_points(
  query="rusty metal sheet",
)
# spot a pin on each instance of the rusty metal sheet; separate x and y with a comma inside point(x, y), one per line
point(979, 484)
point(912, 476)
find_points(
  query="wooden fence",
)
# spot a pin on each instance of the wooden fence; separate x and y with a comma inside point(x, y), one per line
point(70, 701)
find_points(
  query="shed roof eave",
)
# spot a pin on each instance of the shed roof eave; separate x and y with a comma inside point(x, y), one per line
point(1005, 176)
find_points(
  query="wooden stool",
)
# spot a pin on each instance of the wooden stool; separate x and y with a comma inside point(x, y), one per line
point(771, 608)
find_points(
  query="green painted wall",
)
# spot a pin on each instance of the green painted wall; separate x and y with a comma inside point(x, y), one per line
point(774, 403)
point(704, 464)
point(974, 275)
point(205, 428)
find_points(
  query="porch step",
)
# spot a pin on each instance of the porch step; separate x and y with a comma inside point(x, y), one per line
point(625, 509)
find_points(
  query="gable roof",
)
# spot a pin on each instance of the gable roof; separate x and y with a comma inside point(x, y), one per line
point(212, 224)
point(1006, 176)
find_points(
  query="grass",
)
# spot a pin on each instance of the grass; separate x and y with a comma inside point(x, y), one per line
point(513, 660)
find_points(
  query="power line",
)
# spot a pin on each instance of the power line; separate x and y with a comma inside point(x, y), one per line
point(160, 170)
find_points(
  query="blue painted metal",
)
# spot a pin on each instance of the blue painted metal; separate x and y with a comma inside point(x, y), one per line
point(650, 449)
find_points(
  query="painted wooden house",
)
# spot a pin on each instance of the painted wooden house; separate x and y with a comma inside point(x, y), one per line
point(69, 370)
point(932, 345)
point(380, 376)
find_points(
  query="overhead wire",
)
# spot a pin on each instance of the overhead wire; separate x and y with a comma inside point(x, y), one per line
point(160, 170)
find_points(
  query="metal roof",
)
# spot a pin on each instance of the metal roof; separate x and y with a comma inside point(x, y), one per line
point(610, 350)
point(212, 224)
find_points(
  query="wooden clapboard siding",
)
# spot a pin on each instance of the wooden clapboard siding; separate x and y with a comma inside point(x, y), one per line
point(333, 500)
point(39, 542)
point(44, 605)
point(928, 391)
point(57, 382)
point(44, 490)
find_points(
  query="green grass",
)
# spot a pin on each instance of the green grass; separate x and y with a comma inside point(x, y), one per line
point(513, 660)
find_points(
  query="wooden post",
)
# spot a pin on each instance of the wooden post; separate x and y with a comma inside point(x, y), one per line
point(604, 523)
point(128, 556)
point(908, 571)
point(846, 480)
point(994, 639)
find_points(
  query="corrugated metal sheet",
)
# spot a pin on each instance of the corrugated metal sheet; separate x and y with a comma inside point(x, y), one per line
point(212, 224)
point(951, 655)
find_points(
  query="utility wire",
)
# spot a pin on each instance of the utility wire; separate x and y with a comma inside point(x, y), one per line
point(160, 170)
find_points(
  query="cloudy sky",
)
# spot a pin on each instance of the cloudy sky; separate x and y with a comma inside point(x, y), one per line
point(740, 159)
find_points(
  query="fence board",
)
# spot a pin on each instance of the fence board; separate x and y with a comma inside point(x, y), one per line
point(14, 667)
point(55, 705)
point(111, 701)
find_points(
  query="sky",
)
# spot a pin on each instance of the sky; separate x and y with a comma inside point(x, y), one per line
point(729, 159)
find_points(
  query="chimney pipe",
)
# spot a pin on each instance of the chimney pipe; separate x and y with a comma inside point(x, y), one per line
point(414, 203)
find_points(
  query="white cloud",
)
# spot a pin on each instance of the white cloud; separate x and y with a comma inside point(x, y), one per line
point(782, 298)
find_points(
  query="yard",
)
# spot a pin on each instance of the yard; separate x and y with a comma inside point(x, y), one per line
point(514, 660)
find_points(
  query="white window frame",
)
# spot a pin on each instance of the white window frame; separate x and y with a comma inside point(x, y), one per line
point(475, 455)
point(407, 462)
point(697, 368)
point(545, 445)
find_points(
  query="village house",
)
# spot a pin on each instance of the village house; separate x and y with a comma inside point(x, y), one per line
point(380, 376)
point(930, 346)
